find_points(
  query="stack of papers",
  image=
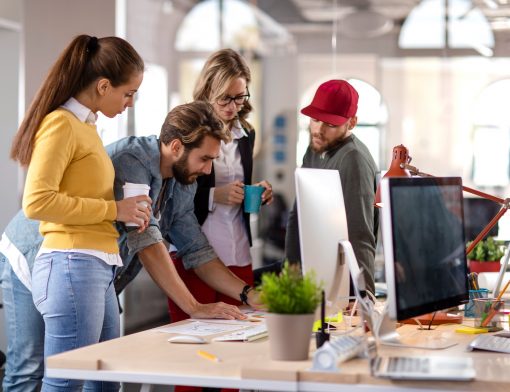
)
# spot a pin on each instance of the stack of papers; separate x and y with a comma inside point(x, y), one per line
point(253, 328)
point(244, 335)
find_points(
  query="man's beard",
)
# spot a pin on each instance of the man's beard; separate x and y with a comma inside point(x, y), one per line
point(181, 171)
point(326, 147)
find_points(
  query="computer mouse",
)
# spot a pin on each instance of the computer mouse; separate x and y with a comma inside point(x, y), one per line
point(187, 339)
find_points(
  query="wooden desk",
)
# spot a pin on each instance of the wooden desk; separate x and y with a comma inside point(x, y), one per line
point(147, 358)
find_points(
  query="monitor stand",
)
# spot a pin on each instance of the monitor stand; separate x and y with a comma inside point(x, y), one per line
point(386, 333)
point(379, 322)
point(436, 318)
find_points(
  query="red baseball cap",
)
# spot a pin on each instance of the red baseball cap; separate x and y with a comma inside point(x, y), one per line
point(334, 102)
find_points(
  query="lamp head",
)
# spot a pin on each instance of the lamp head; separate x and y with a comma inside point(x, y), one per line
point(397, 169)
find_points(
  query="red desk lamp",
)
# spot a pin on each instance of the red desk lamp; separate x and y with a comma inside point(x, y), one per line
point(397, 169)
point(400, 167)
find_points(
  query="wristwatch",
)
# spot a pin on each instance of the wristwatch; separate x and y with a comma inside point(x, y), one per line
point(244, 294)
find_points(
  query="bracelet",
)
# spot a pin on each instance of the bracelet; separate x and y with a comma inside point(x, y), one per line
point(244, 294)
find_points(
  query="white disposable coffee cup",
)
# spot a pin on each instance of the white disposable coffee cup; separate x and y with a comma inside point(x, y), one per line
point(131, 190)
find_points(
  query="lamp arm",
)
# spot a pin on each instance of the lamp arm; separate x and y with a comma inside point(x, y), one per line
point(495, 199)
point(505, 204)
point(486, 229)
point(414, 170)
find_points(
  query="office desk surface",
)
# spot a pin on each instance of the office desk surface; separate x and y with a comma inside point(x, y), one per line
point(148, 358)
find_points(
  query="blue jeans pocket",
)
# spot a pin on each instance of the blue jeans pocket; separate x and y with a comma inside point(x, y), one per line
point(40, 279)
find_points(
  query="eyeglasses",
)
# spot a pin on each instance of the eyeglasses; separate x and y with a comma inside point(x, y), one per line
point(239, 99)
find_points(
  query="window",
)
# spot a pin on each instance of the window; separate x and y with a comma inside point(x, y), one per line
point(240, 31)
point(109, 129)
point(151, 106)
point(491, 136)
point(467, 27)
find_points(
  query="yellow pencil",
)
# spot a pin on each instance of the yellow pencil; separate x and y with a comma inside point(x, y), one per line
point(209, 356)
point(503, 291)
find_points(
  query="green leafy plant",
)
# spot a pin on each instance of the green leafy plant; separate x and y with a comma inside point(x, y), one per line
point(290, 292)
point(487, 250)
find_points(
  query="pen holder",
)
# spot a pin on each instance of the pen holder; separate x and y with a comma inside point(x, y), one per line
point(485, 309)
point(469, 310)
point(321, 337)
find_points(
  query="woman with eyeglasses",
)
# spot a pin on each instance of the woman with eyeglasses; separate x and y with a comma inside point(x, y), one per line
point(223, 82)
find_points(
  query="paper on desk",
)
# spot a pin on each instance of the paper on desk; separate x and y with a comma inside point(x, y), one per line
point(254, 317)
point(201, 328)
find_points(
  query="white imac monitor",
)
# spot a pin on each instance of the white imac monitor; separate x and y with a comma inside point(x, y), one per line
point(322, 225)
point(424, 245)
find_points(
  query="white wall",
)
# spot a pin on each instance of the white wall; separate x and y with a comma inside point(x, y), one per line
point(42, 44)
point(9, 46)
point(9, 71)
point(279, 98)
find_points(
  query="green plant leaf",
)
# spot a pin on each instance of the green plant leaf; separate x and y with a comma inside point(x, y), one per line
point(290, 292)
point(487, 250)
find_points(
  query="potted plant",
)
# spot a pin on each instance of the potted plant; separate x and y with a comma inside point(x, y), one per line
point(291, 299)
point(486, 256)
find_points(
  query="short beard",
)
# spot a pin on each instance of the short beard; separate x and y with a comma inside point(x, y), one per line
point(330, 146)
point(180, 170)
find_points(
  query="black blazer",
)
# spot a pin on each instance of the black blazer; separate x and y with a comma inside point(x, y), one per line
point(206, 182)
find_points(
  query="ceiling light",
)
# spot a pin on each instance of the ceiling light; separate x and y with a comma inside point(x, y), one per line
point(491, 4)
point(484, 50)
point(364, 23)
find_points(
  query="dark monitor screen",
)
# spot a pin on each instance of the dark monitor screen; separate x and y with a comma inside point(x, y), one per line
point(424, 245)
point(477, 213)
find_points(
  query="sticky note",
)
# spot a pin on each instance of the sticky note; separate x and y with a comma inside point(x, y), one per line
point(338, 318)
point(472, 330)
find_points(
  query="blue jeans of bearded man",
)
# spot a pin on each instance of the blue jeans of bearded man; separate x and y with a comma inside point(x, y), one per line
point(24, 327)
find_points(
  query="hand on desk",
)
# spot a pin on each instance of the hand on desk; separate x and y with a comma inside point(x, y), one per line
point(218, 310)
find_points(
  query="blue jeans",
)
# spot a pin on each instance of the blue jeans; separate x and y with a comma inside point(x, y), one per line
point(24, 326)
point(75, 294)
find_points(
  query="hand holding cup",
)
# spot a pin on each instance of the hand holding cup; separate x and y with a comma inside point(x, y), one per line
point(135, 208)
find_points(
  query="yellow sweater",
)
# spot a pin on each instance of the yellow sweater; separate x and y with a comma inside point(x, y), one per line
point(69, 186)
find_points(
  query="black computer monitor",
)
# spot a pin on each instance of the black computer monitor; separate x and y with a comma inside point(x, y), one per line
point(424, 245)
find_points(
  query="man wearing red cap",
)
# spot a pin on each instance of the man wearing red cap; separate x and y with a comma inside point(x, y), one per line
point(333, 146)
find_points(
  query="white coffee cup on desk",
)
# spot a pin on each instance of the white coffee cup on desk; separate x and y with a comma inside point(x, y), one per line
point(131, 190)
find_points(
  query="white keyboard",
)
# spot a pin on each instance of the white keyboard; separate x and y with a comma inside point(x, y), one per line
point(337, 349)
point(245, 335)
point(408, 364)
point(491, 343)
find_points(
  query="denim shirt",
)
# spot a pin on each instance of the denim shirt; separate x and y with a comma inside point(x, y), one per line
point(136, 160)
point(22, 233)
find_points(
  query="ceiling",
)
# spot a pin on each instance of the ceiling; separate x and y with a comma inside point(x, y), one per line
point(296, 13)
point(362, 20)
